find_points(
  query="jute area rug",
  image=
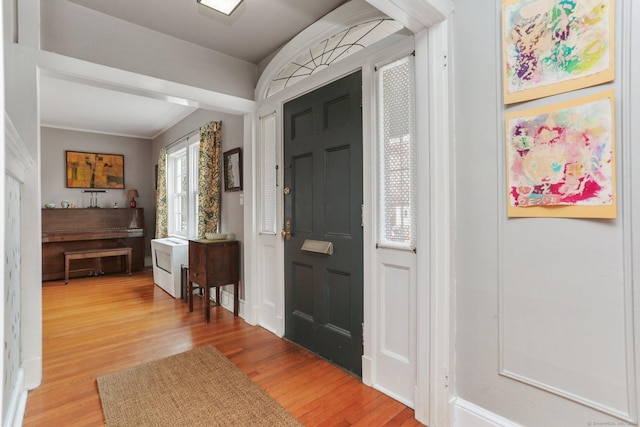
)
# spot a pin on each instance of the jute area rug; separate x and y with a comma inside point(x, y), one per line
point(200, 387)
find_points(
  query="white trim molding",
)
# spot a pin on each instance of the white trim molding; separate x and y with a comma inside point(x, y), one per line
point(414, 14)
point(17, 403)
point(438, 181)
point(428, 19)
point(466, 414)
point(18, 160)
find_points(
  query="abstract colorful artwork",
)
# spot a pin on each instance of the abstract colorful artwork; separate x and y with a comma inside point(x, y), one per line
point(555, 46)
point(561, 159)
point(94, 170)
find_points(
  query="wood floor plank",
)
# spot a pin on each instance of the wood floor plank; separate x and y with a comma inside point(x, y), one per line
point(99, 325)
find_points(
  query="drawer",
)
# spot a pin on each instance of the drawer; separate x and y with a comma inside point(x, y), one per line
point(196, 276)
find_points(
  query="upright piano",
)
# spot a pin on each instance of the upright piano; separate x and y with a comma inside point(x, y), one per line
point(90, 228)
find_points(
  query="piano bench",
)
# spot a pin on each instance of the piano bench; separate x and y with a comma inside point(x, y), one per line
point(95, 253)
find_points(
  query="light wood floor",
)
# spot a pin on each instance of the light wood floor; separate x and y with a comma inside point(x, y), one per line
point(95, 326)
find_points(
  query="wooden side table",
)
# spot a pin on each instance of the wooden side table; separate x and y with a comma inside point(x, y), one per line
point(213, 264)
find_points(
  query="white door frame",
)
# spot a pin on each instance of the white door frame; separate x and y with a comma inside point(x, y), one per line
point(428, 20)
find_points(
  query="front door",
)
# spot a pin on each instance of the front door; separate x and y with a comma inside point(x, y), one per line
point(323, 252)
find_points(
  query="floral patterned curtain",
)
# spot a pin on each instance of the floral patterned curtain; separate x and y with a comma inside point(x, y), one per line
point(209, 179)
point(161, 196)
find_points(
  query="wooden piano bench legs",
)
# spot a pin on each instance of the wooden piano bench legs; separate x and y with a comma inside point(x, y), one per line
point(96, 253)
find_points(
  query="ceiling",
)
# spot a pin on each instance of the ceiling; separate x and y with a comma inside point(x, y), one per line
point(249, 34)
point(252, 32)
point(97, 110)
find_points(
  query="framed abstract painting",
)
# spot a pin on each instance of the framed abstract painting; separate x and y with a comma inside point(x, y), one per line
point(556, 46)
point(561, 159)
point(94, 170)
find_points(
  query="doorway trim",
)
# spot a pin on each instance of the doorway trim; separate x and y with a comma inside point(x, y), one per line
point(429, 21)
point(73, 69)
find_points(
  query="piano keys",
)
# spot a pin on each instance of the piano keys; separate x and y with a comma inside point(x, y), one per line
point(90, 228)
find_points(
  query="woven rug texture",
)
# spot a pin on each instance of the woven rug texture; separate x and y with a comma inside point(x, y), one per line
point(200, 387)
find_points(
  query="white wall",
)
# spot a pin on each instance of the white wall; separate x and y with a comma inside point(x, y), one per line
point(137, 170)
point(12, 328)
point(546, 300)
point(21, 105)
point(79, 32)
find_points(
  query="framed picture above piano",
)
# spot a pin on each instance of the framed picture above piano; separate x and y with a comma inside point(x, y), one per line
point(94, 170)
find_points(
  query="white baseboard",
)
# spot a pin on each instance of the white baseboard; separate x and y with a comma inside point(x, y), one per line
point(17, 403)
point(391, 394)
point(367, 370)
point(226, 301)
point(467, 414)
point(32, 369)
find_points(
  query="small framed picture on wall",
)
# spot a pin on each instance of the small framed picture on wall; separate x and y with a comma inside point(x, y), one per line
point(232, 161)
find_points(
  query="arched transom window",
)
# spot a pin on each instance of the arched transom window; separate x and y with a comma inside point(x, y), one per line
point(332, 50)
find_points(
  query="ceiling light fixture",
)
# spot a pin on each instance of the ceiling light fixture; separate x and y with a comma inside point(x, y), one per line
point(223, 6)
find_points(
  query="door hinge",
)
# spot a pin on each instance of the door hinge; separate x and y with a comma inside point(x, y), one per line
point(446, 377)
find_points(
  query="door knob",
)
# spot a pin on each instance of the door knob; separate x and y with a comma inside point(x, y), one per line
point(286, 232)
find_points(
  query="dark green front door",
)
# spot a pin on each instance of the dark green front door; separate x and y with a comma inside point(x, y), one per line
point(323, 202)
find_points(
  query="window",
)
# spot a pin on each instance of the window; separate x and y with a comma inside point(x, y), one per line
point(268, 182)
point(182, 189)
point(331, 50)
point(177, 192)
point(396, 155)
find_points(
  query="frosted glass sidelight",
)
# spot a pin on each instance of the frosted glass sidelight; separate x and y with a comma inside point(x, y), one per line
point(269, 174)
point(396, 148)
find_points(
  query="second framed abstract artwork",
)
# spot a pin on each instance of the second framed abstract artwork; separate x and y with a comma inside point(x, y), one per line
point(555, 46)
point(561, 159)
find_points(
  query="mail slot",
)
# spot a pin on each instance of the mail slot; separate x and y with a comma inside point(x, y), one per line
point(318, 246)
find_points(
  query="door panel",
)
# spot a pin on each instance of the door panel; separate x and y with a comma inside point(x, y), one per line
point(395, 352)
point(323, 171)
point(339, 288)
point(338, 196)
point(303, 209)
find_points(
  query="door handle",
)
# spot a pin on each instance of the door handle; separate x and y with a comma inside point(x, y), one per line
point(286, 232)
